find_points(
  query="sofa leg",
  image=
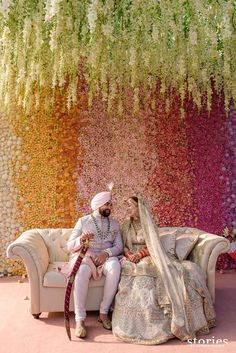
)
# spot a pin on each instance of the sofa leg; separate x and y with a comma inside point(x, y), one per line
point(36, 316)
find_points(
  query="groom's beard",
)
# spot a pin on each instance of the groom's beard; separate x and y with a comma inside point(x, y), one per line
point(105, 213)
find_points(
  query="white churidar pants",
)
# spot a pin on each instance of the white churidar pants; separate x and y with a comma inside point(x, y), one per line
point(111, 270)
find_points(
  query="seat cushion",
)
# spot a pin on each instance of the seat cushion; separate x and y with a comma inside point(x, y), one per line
point(54, 278)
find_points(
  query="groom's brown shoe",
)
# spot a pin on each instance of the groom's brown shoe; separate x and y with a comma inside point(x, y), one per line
point(80, 331)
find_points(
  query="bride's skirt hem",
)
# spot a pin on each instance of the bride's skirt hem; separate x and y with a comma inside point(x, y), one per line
point(151, 342)
point(146, 342)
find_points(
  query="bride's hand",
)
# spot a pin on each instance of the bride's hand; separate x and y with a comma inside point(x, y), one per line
point(135, 258)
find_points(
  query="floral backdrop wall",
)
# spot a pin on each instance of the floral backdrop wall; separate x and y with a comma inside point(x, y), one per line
point(140, 93)
point(52, 165)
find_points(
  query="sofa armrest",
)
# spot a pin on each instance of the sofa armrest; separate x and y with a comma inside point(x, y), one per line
point(205, 254)
point(31, 248)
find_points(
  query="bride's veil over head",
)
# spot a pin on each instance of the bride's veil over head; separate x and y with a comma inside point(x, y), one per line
point(170, 275)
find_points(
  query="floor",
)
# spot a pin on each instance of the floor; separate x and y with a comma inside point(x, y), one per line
point(21, 333)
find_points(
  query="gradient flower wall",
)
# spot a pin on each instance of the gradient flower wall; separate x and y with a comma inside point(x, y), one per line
point(228, 179)
point(9, 225)
point(39, 166)
point(184, 166)
point(207, 142)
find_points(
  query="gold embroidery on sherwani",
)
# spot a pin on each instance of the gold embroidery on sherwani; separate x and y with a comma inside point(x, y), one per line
point(143, 310)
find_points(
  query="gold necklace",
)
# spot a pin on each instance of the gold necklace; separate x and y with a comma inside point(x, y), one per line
point(103, 235)
point(136, 225)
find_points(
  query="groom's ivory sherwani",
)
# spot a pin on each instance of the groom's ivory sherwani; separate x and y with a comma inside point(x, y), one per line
point(107, 237)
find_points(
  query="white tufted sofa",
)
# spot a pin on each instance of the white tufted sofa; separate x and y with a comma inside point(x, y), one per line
point(43, 250)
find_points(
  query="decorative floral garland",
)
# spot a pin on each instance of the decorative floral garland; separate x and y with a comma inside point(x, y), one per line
point(123, 44)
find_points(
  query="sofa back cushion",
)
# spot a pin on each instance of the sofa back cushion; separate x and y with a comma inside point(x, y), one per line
point(184, 244)
point(168, 239)
point(178, 241)
point(56, 242)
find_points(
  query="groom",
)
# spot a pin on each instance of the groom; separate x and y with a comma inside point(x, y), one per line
point(106, 241)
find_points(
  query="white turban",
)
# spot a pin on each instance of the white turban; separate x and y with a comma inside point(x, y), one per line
point(100, 199)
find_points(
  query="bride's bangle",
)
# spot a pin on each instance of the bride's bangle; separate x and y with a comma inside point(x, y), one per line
point(128, 254)
point(143, 253)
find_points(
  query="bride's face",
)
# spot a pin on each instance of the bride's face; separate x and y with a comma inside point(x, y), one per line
point(132, 209)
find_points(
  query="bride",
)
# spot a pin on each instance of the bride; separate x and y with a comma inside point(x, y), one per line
point(159, 297)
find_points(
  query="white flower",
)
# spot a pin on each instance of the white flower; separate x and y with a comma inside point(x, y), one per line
point(181, 65)
point(47, 10)
point(92, 15)
point(213, 38)
point(52, 8)
point(146, 58)
point(204, 75)
point(226, 33)
point(193, 37)
point(155, 33)
point(107, 30)
point(53, 41)
point(226, 68)
point(27, 30)
point(132, 57)
point(93, 58)
point(5, 7)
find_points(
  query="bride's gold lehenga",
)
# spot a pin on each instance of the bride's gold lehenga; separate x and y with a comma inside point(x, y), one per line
point(146, 312)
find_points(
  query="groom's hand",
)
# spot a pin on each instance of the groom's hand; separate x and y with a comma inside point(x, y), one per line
point(101, 258)
point(86, 236)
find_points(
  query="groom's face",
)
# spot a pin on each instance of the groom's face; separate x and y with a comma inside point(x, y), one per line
point(105, 210)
